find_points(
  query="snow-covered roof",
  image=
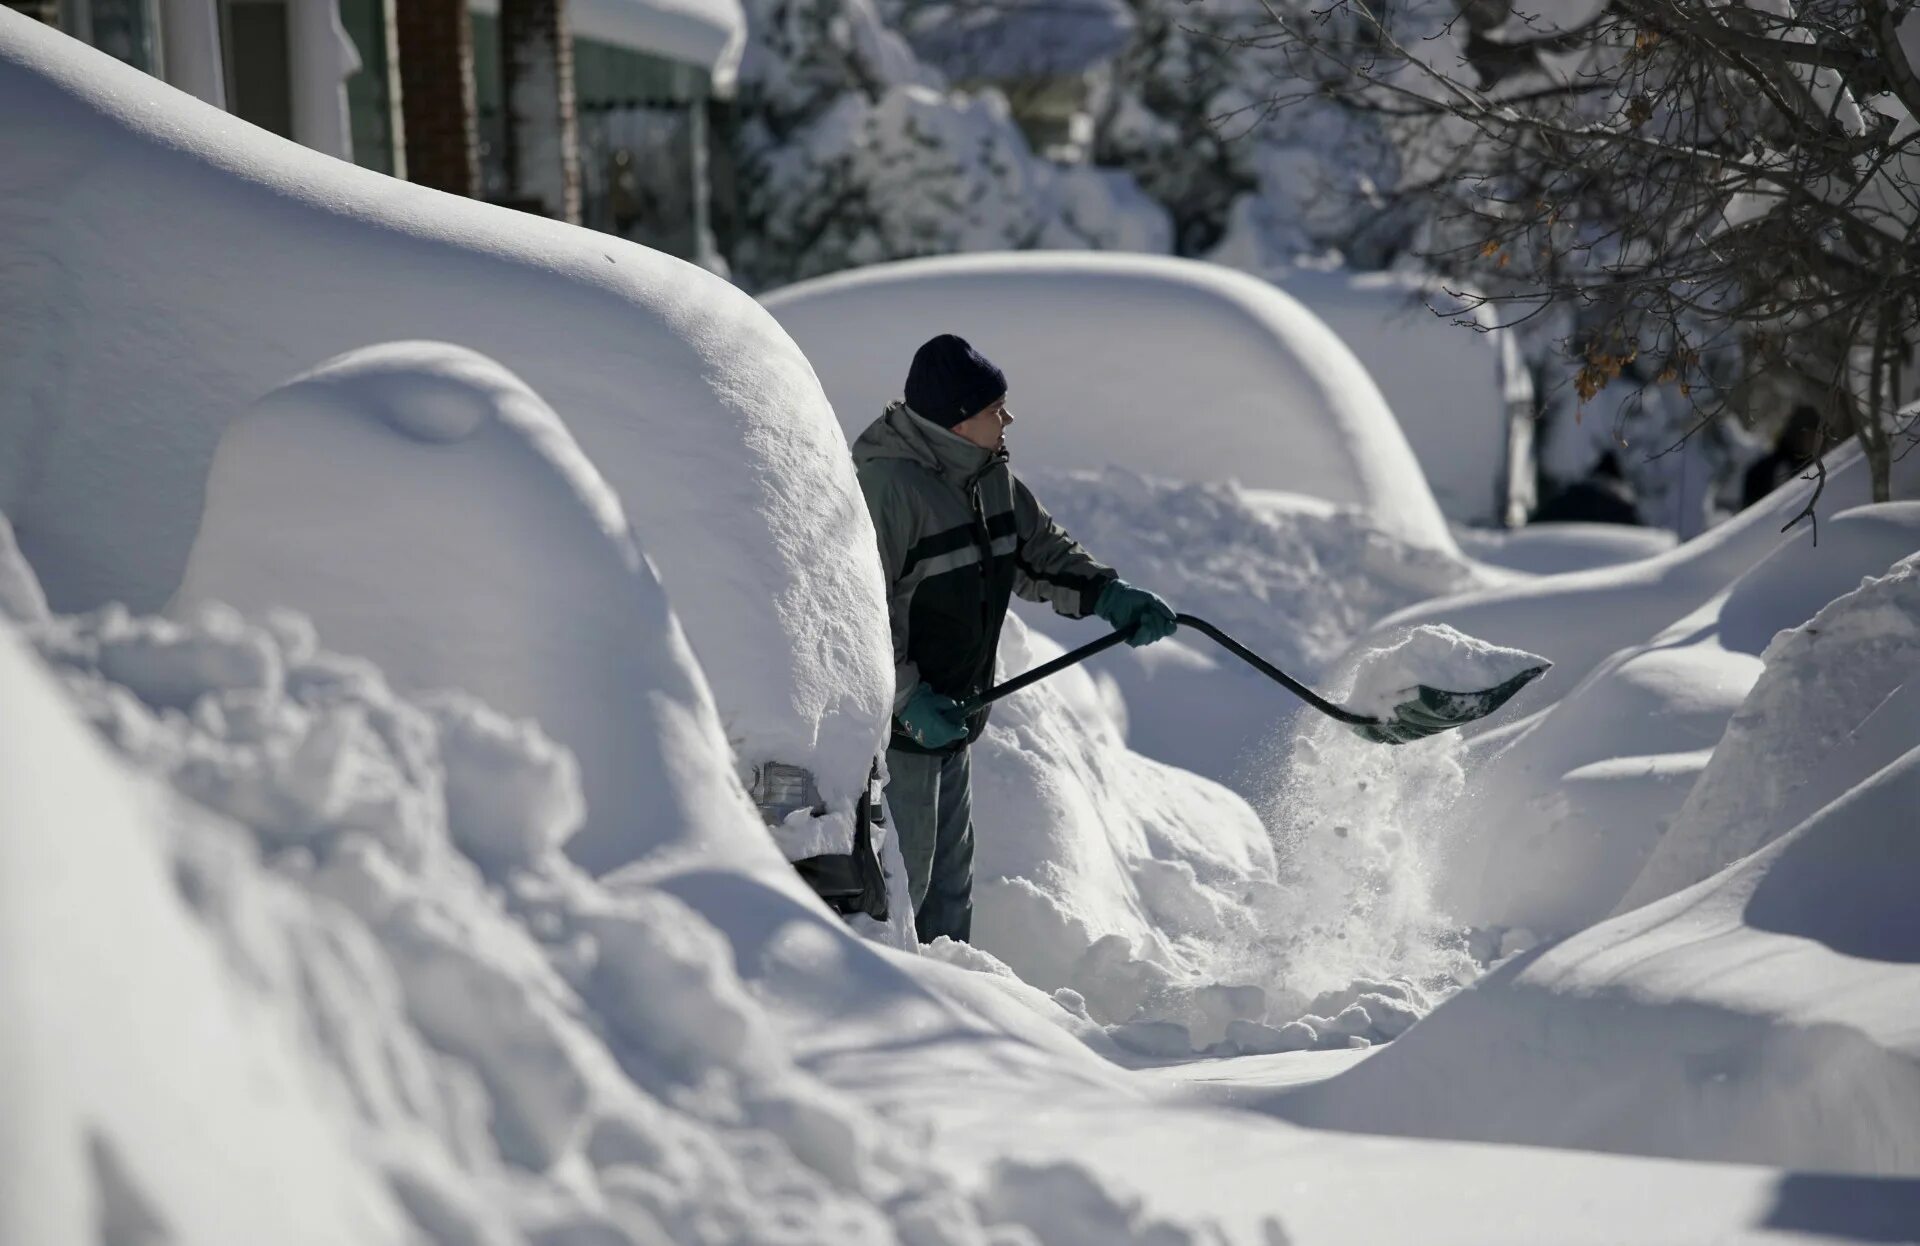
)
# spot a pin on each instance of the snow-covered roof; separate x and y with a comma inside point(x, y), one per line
point(1165, 366)
point(708, 33)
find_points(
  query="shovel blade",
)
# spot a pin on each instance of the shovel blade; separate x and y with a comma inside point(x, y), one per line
point(1433, 710)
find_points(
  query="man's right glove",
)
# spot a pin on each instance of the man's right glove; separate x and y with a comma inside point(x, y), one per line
point(1144, 616)
point(932, 719)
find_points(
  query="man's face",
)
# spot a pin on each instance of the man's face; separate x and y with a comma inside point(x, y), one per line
point(987, 428)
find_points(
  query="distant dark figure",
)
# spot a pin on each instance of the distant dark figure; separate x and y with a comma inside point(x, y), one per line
point(1603, 497)
point(1799, 443)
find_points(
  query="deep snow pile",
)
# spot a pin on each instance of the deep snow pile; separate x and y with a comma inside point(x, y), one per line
point(220, 262)
point(1163, 366)
point(1167, 909)
point(450, 1033)
point(1101, 871)
point(1577, 780)
point(1765, 1014)
point(1570, 805)
point(1839, 700)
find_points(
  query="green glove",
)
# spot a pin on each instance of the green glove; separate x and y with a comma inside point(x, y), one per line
point(1145, 616)
point(932, 719)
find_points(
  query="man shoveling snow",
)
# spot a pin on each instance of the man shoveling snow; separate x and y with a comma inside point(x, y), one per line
point(959, 534)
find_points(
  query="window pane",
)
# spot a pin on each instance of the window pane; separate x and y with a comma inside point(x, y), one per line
point(259, 86)
point(124, 29)
point(369, 99)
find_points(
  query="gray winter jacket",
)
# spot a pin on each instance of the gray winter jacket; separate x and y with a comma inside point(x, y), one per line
point(959, 534)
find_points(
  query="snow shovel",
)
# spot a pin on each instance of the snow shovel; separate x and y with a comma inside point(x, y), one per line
point(1429, 712)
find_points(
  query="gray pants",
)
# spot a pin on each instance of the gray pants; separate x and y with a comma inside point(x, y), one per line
point(930, 796)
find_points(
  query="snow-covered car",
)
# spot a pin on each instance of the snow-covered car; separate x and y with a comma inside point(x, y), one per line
point(1167, 367)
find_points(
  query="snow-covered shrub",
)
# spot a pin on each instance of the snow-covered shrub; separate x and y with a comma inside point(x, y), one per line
point(850, 151)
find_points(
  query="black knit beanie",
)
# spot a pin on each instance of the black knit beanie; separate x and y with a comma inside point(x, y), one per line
point(950, 380)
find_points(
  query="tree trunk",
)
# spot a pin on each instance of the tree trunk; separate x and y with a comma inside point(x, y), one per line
point(1876, 420)
point(542, 154)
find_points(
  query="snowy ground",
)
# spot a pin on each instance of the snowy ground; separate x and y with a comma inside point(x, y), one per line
point(381, 668)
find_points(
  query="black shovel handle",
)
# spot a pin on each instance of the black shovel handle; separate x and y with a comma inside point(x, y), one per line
point(1198, 624)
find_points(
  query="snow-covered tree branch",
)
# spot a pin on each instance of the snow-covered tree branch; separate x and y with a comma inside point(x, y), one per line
point(1724, 196)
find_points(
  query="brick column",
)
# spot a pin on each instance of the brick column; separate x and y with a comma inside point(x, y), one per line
point(436, 95)
point(536, 83)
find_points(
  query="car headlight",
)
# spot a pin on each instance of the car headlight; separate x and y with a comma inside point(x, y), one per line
point(779, 790)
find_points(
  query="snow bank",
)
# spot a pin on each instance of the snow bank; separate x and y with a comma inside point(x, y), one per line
point(370, 1001)
point(425, 509)
point(1580, 618)
point(219, 261)
point(1549, 548)
point(1766, 1015)
point(1569, 805)
point(1098, 870)
point(1159, 905)
point(153, 1092)
point(1838, 701)
point(1159, 365)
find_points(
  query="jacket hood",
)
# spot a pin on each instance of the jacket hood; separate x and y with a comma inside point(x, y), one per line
point(901, 434)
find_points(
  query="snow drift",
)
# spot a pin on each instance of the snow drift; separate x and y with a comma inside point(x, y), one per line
point(1838, 701)
point(366, 999)
point(1580, 618)
point(1163, 366)
point(166, 264)
point(134, 1062)
point(1583, 773)
point(1570, 811)
point(1764, 1014)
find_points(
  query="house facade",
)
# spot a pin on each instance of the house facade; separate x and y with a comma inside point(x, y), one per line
point(417, 89)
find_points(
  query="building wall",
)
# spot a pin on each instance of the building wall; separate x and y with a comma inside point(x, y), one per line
point(413, 88)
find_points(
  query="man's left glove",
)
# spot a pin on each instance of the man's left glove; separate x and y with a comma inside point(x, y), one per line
point(1145, 616)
